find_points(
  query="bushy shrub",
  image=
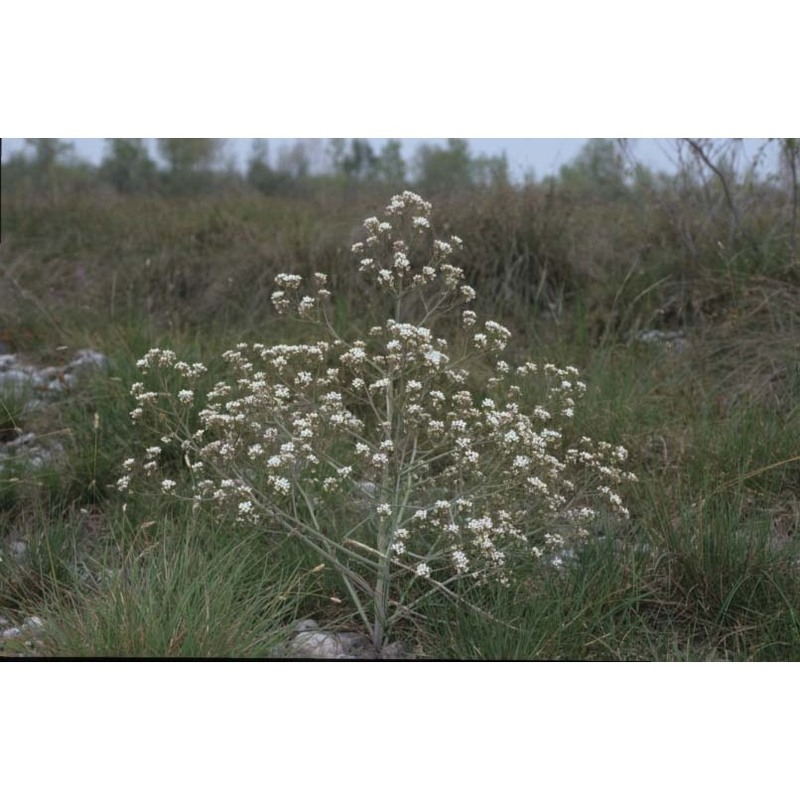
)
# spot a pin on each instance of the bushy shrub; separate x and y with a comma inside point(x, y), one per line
point(407, 461)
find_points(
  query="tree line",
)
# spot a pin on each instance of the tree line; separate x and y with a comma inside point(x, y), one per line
point(712, 178)
point(189, 166)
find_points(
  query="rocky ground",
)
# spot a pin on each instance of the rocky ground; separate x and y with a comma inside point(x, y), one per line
point(25, 389)
point(20, 640)
point(310, 641)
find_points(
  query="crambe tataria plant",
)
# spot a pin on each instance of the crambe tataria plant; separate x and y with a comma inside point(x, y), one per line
point(407, 461)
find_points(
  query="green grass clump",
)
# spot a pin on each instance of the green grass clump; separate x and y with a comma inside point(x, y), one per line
point(175, 591)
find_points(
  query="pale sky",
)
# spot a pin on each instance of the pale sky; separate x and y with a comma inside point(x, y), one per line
point(542, 156)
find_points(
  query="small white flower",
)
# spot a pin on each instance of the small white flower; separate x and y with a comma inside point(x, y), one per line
point(372, 224)
point(280, 301)
point(282, 485)
point(435, 358)
point(288, 281)
point(306, 306)
point(442, 248)
point(422, 570)
point(469, 318)
point(460, 561)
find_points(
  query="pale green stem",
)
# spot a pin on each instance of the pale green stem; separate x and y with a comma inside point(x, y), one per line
point(384, 541)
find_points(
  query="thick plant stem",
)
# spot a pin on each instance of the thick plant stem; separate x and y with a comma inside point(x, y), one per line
point(382, 588)
point(384, 537)
point(382, 582)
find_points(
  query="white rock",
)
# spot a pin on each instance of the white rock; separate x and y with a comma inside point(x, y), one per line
point(15, 377)
point(11, 633)
point(396, 651)
point(18, 549)
point(368, 487)
point(356, 646)
point(88, 358)
point(305, 625)
point(310, 641)
point(317, 644)
point(23, 440)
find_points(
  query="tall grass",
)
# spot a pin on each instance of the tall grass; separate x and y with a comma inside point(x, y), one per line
point(176, 597)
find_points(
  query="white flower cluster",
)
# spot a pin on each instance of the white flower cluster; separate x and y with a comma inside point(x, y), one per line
point(287, 297)
point(388, 257)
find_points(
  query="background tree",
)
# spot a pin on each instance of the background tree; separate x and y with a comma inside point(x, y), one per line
point(48, 152)
point(260, 175)
point(441, 170)
point(598, 170)
point(128, 166)
point(188, 161)
point(391, 168)
point(295, 161)
point(45, 167)
point(336, 154)
point(360, 163)
point(790, 171)
point(490, 170)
